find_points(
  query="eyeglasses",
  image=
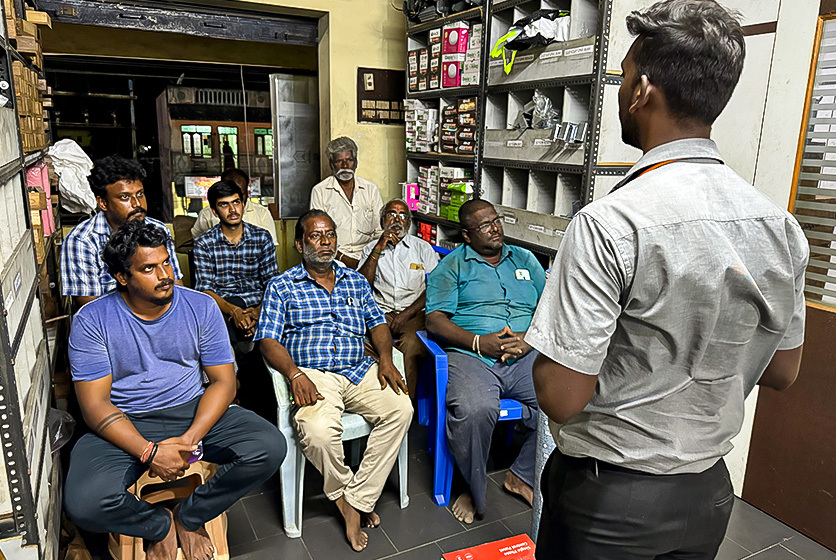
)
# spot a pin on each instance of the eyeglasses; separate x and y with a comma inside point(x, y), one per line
point(391, 214)
point(487, 227)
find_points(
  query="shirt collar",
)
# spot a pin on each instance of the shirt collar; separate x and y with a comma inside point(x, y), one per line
point(471, 254)
point(100, 224)
point(299, 272)
point(219, 234)
point(359, 183)
point(678, 149)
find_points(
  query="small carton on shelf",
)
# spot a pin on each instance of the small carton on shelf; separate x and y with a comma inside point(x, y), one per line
point(454, 37)
point(451, 70)
point(434, 36)
point(474, 39)
point(454, 174)
point(423, 61)
point(413, 84)
point(412, 195)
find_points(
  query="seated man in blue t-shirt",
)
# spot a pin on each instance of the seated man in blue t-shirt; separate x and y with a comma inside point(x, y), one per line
point(480, 301)
point(137, 357)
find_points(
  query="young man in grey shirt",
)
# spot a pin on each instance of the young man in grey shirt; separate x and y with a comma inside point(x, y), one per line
point(668, 301)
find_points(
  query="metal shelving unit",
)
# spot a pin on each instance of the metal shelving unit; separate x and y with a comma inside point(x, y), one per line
point(29, 485)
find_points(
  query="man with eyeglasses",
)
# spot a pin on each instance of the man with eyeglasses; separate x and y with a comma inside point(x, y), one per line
point(480, 301)
point(396, 266)
point(312, 325)
point(234, 261)
point(352, 202)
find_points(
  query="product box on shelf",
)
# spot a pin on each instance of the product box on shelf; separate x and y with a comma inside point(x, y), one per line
point(454, 37)
point(411, 194)
point(454, 174)
point(434, 36)
point(412, 62)
point(451, 70)
point(474, 38)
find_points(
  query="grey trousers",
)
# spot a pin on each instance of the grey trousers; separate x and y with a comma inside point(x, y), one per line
point(473, 393)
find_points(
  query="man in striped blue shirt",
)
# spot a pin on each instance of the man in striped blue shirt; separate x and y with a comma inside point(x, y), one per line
point(234, 261)
point(314, 318)
point(120, 195)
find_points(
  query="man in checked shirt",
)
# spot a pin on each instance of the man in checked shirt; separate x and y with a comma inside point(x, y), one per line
point(312, 325)
point(234, 261)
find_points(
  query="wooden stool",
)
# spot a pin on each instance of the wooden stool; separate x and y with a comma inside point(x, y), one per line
point(153, 491)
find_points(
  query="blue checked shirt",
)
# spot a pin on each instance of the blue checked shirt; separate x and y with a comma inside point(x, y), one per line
point(241, 270)
point(83, 272)
point(320, 330)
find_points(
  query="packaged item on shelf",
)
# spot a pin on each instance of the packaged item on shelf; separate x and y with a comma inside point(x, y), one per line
point(467, 119)
point(466, 132)
point(413, 84)
point(411, 195)
point(435, 66)
point(421, 124)
point(454, 37)
point(412, 62)
point(466, 147)
point(423, 61)
point(474, 38)
point(451, 70)
point(466, 105)
point(434, 36)
point(454, 174)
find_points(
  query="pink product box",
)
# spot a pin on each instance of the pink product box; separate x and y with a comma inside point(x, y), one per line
point(454, 38)
point(451, 73)
point(412, 192)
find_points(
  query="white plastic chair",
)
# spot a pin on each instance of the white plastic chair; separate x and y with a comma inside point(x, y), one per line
point(292, 471)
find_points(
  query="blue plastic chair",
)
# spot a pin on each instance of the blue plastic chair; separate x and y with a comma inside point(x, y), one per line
point(432, 412)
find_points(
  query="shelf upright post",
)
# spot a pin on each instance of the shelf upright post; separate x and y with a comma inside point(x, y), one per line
point(599, 69)
point(482, 100)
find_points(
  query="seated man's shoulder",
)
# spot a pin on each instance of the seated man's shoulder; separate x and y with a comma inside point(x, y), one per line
point(260, 234)
point(83, 231)
point(100, 307)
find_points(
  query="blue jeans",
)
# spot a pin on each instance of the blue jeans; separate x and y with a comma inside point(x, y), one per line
point(246, 448)
point(473, 393)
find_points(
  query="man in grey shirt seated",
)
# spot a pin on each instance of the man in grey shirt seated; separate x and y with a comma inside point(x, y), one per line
point(668, 301)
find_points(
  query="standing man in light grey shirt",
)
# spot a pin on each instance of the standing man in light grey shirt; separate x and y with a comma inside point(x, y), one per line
point(352, 202)
point(396, 266)
point(668, 301)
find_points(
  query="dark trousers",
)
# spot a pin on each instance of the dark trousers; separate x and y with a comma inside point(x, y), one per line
point(593, 510)
point(246, 448)
point(474, 390)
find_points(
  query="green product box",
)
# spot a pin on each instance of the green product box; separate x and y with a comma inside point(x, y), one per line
point(453, 213)
point(443, 210)
point(457, 198)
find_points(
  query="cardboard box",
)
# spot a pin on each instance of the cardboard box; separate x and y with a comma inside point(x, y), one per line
point(412, 62)
point(454, 37)
point(423, 61)
point(513, 548)
point(39, 18)
point(466, 104)
point(434, 36)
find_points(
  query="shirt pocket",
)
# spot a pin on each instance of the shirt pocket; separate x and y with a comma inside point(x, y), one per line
point(366, 221)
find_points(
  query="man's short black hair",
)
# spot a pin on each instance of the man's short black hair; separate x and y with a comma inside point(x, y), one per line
point(222, 189)
point(469, 208)
point(235, 173)
point(309, 215)
point(122, 246)
point(113, 169)
point(693, 50)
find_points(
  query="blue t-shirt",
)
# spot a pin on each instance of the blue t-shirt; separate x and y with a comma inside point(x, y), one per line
point(155, 364)
point(482, 298)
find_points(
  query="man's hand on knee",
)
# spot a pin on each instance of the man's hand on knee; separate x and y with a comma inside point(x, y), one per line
point(388, 374)
point(304, 391)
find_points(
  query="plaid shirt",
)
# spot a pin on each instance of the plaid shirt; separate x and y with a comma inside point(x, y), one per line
point(320, 330)
point(83, 272)
point(241, 270)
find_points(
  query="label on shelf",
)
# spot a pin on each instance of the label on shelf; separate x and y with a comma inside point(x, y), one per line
point(550, 55)
point(509, 219)
point(513, 143)
point(495, 63)
point(538, 229)
point(542, 142)
point(586, 49)
point(524, 59)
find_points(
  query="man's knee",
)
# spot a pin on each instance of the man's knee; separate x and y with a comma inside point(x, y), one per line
point(402, 413)
point(274, 446)
point(319, 432)
point(474, 408)
point(87, 503)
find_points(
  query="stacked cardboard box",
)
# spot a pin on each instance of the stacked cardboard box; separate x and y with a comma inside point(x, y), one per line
point(453, 182)
point(421, 126)
point(427, 232)
point(457, 132)
point(11, 14)
point(428, 182)
point(473, 57)
point(448, 128)
point(29, 107)
point(453, 52)
point(434, 39)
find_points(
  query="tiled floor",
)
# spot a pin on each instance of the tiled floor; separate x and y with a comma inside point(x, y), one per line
point(424, 531)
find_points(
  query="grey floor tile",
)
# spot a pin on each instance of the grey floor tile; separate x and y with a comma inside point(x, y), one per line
point(754, 530)
point(328, 542)
point(519, 524)
point(239, 530)
point(809, 549)
point(730, 550)
point(426, 552)
point(776, 552)
point(265, 513)
point(422, 522)
point(480, 535)
point(271, 548)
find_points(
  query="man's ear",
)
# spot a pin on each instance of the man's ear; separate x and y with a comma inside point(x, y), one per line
point(214, 212)
point(102, 203)
point(466, 236)
point(641, 93)
point(122, 278)
point(298, 244)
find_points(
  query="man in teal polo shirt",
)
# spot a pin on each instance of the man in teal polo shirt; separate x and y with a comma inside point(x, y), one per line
point(480, 301)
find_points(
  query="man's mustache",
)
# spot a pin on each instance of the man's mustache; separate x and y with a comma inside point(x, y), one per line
point(137, 212)
point(165, 284)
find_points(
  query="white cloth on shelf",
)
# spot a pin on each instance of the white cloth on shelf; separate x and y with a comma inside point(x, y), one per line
point(73, 165)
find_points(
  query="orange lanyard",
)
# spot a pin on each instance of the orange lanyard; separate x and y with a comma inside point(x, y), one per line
point(662, 164)
point(658, 165)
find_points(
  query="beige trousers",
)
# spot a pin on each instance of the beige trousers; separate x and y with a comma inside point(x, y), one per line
point(320, 433)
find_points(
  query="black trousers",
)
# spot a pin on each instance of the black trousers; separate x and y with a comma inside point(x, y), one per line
point(596, 511)
point(246, 448)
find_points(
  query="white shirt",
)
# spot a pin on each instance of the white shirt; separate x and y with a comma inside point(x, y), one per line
point(358, 221)
point(401, 273)
point(254, 214)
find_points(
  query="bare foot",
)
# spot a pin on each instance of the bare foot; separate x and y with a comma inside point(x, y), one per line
point(356, 538)
point(463, 508)
point(165, 549)
point(515, 485)
point(196, 545)
point(370, 520)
